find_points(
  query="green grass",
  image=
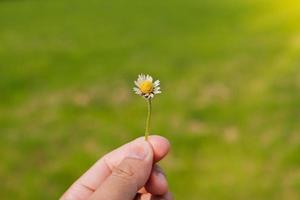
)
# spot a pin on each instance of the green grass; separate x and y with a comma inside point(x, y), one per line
point(230, 73)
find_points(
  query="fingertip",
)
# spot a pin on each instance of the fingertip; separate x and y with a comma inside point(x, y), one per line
point(160, 145)
point(148, 196)
point(157, 183)
point(168, 196)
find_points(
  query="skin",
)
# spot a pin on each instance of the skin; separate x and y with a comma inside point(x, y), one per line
point(129, 172)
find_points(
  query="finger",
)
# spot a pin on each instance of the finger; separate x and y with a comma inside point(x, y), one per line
point(149, 196)
point(128, 177)
point(146, 196)
point(157, 183)
point(167, 196)
point(143, 191)
point(160, 145)
point(93, 178)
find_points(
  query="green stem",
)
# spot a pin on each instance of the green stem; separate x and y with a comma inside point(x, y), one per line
point(148, 119)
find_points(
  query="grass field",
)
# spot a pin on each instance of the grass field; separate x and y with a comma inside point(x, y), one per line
point(230, 73)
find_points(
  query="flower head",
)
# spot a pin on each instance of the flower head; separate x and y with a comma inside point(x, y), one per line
point(145, 86)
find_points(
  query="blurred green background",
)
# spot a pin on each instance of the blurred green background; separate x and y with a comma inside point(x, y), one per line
point(230, 74)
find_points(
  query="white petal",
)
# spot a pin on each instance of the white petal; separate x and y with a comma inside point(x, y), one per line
point(149, 78)
point(137, 83)
point(156, 83)
point(157, 89)
point(141, 77)
point(137, 91)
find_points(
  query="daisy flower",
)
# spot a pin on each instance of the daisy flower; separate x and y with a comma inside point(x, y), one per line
point(145, 87)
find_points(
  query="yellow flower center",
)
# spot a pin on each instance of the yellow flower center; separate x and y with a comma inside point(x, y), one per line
point(146, 87)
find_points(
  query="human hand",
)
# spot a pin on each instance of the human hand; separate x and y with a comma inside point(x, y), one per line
point(127, 173)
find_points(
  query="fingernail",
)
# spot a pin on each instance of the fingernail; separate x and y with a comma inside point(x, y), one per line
point(158, 169)
point(138, 152)
point(159, 172)
point(160, 175)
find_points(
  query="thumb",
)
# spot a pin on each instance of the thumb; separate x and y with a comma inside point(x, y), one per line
point(129, 176)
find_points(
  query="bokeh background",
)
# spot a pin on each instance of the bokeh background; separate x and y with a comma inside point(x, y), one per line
point(230, 74)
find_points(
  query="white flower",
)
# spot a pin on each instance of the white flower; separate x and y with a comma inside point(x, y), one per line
point(146, 87)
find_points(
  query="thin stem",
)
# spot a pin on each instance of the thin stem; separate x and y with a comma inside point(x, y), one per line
point(148, 118)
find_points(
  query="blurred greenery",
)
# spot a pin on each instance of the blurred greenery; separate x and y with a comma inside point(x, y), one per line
point(230, 74)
